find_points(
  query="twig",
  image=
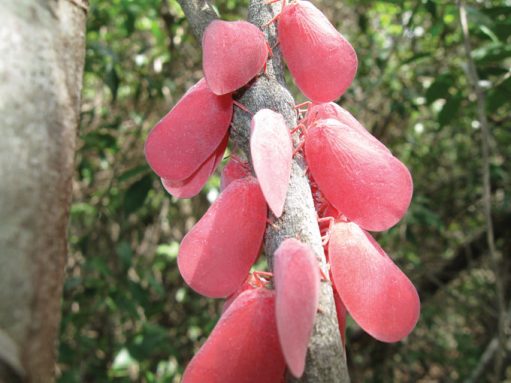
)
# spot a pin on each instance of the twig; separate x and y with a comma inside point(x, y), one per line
point(199, 14)
point(485, 135)
point(487, 356)
point(83, 4)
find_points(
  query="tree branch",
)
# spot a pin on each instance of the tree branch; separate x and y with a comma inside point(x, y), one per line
point(496, 256)
point(326, 361)
point(489, 353)
point(199, 14)
point(41, 70)
point(465, 255)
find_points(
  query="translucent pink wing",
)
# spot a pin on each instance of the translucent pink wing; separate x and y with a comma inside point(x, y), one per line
point(362, 180)
point(234, 52)
point(191, 186)
point(322, 62)
point(296, 279)
point(216, 255)
point(187, 136)
point(243, 347)
point(233, 170)
point(379, 297)
point(272, 152)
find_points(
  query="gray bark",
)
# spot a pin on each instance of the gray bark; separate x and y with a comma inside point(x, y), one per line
point(326, 360)
point(42, 47)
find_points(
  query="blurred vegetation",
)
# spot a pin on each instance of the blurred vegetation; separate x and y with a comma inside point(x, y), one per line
point(127, 314)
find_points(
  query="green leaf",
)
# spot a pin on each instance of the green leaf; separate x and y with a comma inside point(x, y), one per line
point(98, 140)
point(439, 88)
point(450, 110)
point(488, 32)
point(112, 81)
point(168, 251)
point(137, 193)
point(503, 29)
point(499, 96)
point(133, 172)
point(417, 57)
point(122, 363)
point(491, 53)
point(478, 18)
point(494, 12)
point(431, 7)
point(125, 253)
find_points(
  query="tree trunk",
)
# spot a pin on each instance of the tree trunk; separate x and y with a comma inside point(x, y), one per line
point(42, 48)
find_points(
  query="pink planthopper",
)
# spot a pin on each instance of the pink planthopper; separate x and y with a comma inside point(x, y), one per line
point(272, 153)
point(253, 281)
point(322, 62)
point(189, 134)
point(235, 169)
point(234, 52)
point(358, 175)
point(243, 347)
point(331, 110)
point(376, 293)
point(216, 254)
point(191, 186)
point(297, 284)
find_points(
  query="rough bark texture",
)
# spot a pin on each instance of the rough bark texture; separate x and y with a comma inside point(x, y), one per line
point(199, 14)
point(326, 361)
point(42, 46)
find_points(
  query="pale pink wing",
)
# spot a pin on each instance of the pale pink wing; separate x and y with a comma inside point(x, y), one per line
point(235, 169)
point(234, 52)
point(217, 253)
point(272, 153)
point(377, 294)
point(192, 186)
point(322, 62)
point(362, 180)
point(243, 347)
point(187, 136)
point(296, 279)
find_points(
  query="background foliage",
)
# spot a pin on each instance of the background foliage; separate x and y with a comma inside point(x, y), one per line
point(128, 316)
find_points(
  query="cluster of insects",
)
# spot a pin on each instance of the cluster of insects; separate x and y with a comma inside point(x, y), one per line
point(357, 185)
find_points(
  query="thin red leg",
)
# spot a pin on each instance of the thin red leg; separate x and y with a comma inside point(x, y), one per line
point(298, 148)
point(297, 128)
point(326, 237)
point(276, 17)
point(306, 103)
point(272, 224)
point(242, 107)
point(265, 274)
point(322, 274)
point(270, 50)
